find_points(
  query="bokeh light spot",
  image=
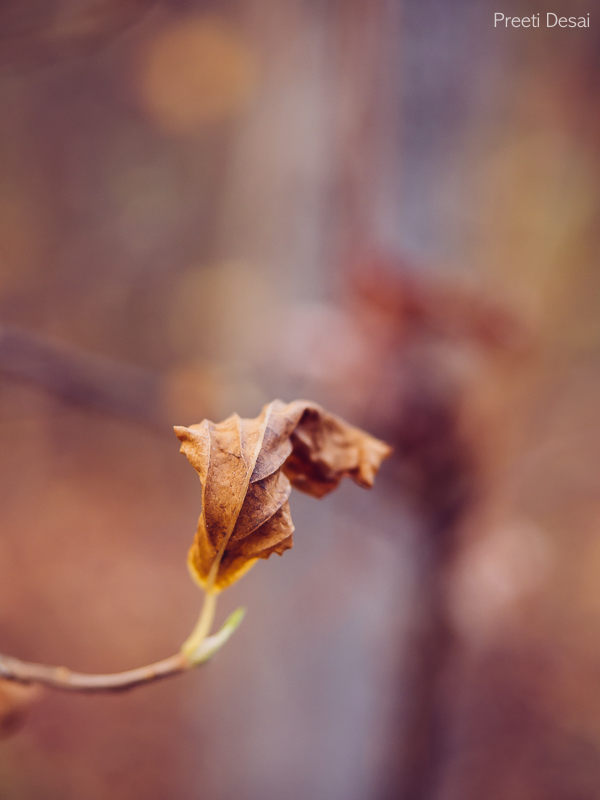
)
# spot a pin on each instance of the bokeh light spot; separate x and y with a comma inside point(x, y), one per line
point(196, 72)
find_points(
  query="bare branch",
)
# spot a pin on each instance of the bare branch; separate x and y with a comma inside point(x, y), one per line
point(63, 678)
point(81, 378)
point(56, 677)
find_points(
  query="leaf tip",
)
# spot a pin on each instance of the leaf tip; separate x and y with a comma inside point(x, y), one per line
point(234, 620)
point(181, 432)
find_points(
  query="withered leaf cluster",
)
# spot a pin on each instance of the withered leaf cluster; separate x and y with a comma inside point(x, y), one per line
point(247, 468)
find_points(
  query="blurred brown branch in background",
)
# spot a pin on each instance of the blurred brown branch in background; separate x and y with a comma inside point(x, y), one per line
point(443, 341)
point(82, 378)
point(399, 291)
point(36, 34)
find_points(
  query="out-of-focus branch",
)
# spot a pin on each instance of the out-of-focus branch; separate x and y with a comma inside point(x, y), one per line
point(34, 36)
point(83, 379)
point(54, 677)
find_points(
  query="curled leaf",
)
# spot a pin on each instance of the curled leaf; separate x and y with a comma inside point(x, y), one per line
point(248, 467)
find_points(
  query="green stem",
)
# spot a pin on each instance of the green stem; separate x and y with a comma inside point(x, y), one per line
point(204, 624)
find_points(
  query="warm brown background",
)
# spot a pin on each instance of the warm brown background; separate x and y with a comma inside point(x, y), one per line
point(389, 208)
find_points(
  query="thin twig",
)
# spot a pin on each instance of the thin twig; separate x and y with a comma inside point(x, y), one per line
point(13, 669)
point(63, 678)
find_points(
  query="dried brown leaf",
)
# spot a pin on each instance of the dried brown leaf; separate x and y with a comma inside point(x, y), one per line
point(247, 468)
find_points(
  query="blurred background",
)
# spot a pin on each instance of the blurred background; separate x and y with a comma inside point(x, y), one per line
point(390, 208)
